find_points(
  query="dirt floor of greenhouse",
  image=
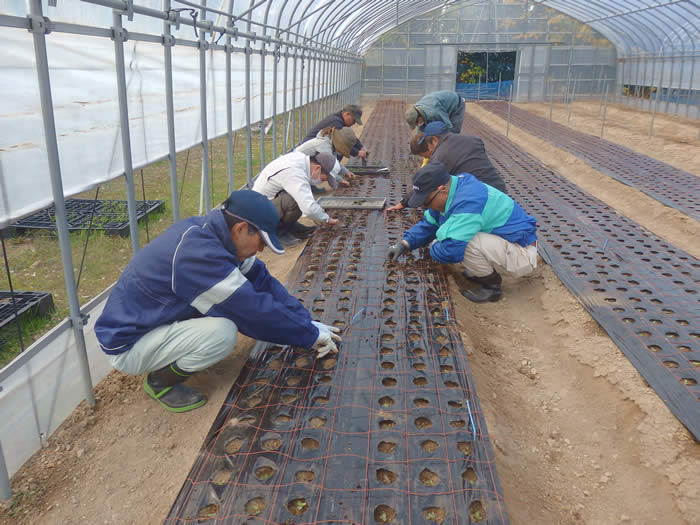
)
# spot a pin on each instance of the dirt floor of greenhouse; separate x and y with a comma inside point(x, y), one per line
point(578, 435)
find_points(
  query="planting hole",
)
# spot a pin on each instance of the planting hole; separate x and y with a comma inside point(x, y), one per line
point(429, 446)
point(384, 514)
point(282, 419)
point(419, 366)
point(429, 478)
point(423, 422)
point(459, 423)
point(420, 381)
point(389, 381)
point(221, 477)
point(297, 506)
point(386, 424)
point(309, 443)
point(208, 511)
point(418, 352)
point(476, 511)
point(387, 365)
point(264, 473)
point(321, 400)
point(293, 381)
point(302, 362)
point(329, 363)
point(255, 506)
point(272, 444)
point(670, 364)
point(455, 404)
point(689, 381)
point(317, 422)
point(386, 351)
point(289, 398)
point(254, 401)
point(305, 476)
point(233, 446)
point(465, 447)
point(469, 475)
point(385, 476)
point(451, 384)
point(420, 402)
point(446, 368)
point(275, 364)
point(434, 514)
point(325, 379)
point(386, 446)
point(386, 401)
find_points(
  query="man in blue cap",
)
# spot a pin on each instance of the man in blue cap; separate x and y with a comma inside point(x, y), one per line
point(470, 222)
point(181, 301)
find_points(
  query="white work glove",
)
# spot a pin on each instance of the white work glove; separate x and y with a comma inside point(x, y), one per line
point(327, 335)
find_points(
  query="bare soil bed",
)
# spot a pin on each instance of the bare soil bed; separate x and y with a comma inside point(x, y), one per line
point(578, 435)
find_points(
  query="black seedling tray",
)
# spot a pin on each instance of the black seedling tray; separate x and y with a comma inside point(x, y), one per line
point(38, 303)
point(109, 215)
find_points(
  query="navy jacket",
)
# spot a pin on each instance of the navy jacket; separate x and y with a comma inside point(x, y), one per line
point(335, 121)
point(466, 154)
point(191, 270)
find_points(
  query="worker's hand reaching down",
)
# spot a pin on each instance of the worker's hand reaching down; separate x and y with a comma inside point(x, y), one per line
point(396, 251)
point(327, 336)
point(332, 222)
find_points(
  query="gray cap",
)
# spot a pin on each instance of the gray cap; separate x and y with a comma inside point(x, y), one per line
point(355, 111)
point(329, 165)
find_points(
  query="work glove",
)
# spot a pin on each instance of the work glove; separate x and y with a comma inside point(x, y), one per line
point(325, 342)
point(396, 251)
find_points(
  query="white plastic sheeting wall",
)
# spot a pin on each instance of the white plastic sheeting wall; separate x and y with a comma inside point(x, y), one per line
point(84, 88)
point(38, 395)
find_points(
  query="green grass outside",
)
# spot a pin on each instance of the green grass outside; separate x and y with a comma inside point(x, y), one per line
point(35, 258)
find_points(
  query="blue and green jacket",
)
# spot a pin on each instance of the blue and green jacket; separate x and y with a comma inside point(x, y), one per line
point(471, 207)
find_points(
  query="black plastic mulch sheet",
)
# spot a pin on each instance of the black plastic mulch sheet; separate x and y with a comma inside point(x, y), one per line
point(662, 182)
point(642, 290)
point(389, 430)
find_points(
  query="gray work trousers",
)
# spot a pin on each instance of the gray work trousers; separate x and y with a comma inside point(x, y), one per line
point(287, 208)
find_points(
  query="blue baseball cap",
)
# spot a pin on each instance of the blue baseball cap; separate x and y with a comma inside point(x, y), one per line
point(255, 209)
point(426, 180)
point(434, 128)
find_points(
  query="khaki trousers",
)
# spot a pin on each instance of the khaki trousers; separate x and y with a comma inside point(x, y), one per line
point(486, 253)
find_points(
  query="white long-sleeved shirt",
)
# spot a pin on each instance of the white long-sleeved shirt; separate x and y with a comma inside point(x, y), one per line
point(292, 173)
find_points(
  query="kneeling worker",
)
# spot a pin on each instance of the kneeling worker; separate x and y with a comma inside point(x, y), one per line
point(181, 301)
point(470, 222)
point(287, 181)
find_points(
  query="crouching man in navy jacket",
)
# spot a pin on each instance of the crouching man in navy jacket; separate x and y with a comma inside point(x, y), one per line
point(182, 299)
point(470, 222)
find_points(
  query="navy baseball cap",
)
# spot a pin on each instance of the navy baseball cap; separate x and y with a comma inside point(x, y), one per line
point(434, 128)
point(255, 209)
point(426, 180)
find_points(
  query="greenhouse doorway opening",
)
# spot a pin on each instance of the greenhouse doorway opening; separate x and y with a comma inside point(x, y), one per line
point(484, 75)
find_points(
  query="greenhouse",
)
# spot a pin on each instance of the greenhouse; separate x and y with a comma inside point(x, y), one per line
point(312, 261)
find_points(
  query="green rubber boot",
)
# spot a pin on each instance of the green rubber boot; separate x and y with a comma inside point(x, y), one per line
point(165, 386)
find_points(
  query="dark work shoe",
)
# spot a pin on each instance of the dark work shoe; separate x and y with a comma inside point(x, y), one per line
point(301, 231)
point(165, 386)
point(489, 288)
point(318, 191)
point(288, 240)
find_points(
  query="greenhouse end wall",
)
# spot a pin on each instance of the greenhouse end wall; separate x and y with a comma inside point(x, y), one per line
point(553, 51)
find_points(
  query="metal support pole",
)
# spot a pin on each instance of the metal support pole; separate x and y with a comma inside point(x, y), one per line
point(571, 103)
point(301, 98)
point(605, 110)
point(262, 106)
point(275, 59)
point(294, 103)
point(119, 37)
point(653, 113)
point(510, 103)
point(168, 41)
point(600, 107)
point(203, 46)
point(42, 68)
point(308, 98)
point(285, 117)
point(314, 91)
point(549, 124)
point(229, 108)
point(5, 490)
point(248, 144)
